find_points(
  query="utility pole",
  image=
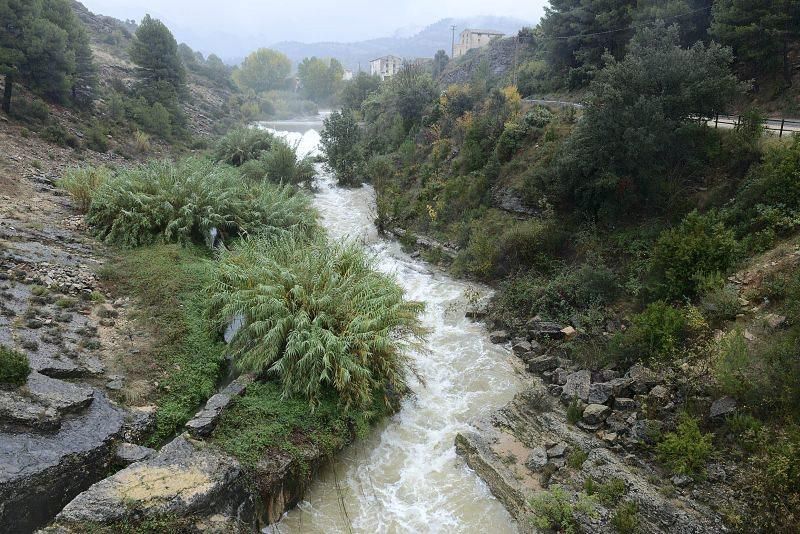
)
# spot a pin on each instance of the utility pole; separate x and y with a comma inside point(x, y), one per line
point(453, 41)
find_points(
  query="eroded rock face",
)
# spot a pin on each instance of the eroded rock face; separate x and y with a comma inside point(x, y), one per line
point(183, 479)
point(532, 425)
point(41, 472)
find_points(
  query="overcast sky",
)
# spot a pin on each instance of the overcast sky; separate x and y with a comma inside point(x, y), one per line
point(204, 23)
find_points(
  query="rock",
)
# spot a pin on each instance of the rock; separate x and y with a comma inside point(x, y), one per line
point(558, 450)
point(560, 376)
point(643, 378)
point(608, 374)
point(716, 473)
point(116, 382)
point(660, 394)
point(499, 336)
point(596, 413)
point(555, 390)
point(618, 423)
point(749, 335)
point(542, 363)
point(569, 332)
point(181, 480)
point(774, 320)
point(681, 481)
point(600, 393)
point(722, 407)
point(609, 438)
point(40, 473)
point(544, 329)
point(624, 404)
point(589, 427)
point(128, 453)
point(206, 419)
point(537, 459)
point(577, 385)
point(521, 347)
point(42, 402)
point(646, 431)
point(620, 387)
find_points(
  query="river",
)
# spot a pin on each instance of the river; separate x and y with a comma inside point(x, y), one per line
point(405, 476)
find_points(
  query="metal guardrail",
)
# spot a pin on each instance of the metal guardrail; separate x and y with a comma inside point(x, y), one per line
point(773, 126)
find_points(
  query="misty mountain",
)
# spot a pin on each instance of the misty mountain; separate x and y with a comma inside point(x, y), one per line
point(424, 43)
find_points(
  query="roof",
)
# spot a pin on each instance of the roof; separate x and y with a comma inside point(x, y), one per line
point(390, 56)
point(489, 32)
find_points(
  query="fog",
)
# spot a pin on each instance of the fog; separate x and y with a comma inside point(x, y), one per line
point(231, 28)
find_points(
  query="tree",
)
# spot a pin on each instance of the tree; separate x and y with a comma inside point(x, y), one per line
point(579, 32)
point(341, 138)
point(693, 16)
point(263, 70)
point(320, 80)
point(759, 31)
point(43, 43)
point(356, 91)
point(155, 52)
point(440, 61)
point(635, 131)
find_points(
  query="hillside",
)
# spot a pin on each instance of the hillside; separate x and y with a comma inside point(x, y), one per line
point(425, 43)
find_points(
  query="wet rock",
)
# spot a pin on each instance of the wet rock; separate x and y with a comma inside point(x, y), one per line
point(499, 336)
point(596, 413)
point(624, 404)
point(128, 453)
point(40, 473)
point(643, 378)
point(521, 347)
point(600, 393)
point(577, 385)
point(542, 363)
point(206, 419)
point(544, 330)
point(537, 459)
point(558, 450)
point(722, 407)
point(181, 480)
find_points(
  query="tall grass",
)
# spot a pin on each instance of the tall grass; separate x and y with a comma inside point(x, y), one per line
point(318, 316)
point(82, 182)
point(163, 201)
point(283, 166)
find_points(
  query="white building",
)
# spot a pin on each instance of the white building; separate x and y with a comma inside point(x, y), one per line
point(386, 66)
point(474, 39)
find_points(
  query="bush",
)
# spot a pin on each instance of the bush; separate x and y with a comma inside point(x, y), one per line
point(181, 202)
point(14, 368)
point(318, 316)
point(55, 133)
point(609, 493)
point(576, 458)
point(141, 142)
point(699, 246)
point(341, 137)
point(626, 518)
point(776, 481)
point(243, 144)
point(720, 303)
point(96, 140)
point(655, 334)
point(538, 117)
point(554, 510)
point(82, 183)
point(155, 118)
point(686, 450)
point(282, 165)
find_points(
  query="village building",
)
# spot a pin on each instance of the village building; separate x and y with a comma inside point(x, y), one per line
point(385, 66)
point(471, 38)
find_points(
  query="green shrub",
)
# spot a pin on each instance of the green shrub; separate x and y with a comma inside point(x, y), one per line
point(626, 518)
point(538, 117)
point(776, 481)
point(609, 493)
point(341, 138)
point(574, 412)
point(510, 141)
point(14, 368)
point(55, 133)
point(141, 142)
point(686, 450)
point(721, 303)
point(243, 144)
point(576, 458)
point(282, 165)
point(155, 119)
point(699, 246)
point(96, 139)
point(554, 510)
point(183, 201)
point(654, 334)
point(318, 316)
point(82, 183)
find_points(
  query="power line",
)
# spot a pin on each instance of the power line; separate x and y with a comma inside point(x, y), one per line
point(631, 27)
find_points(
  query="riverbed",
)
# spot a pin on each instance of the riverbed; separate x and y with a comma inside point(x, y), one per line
point(405, 476)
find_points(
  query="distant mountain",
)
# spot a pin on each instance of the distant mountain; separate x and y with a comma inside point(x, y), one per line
point(424, 43)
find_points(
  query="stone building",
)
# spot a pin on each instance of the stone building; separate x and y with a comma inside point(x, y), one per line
point(474, 39)
point(385, 66)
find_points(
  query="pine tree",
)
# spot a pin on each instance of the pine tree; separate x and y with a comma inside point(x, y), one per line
point(155, 52)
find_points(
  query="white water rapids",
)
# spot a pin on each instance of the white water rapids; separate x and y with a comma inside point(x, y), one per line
point(406, 477)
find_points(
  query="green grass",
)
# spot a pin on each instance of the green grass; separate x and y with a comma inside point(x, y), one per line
point(186, 359)
point(263, 420)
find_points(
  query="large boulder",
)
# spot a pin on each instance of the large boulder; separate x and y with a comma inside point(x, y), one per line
point(577, 385)
point(182, 480)
point(596, 413)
